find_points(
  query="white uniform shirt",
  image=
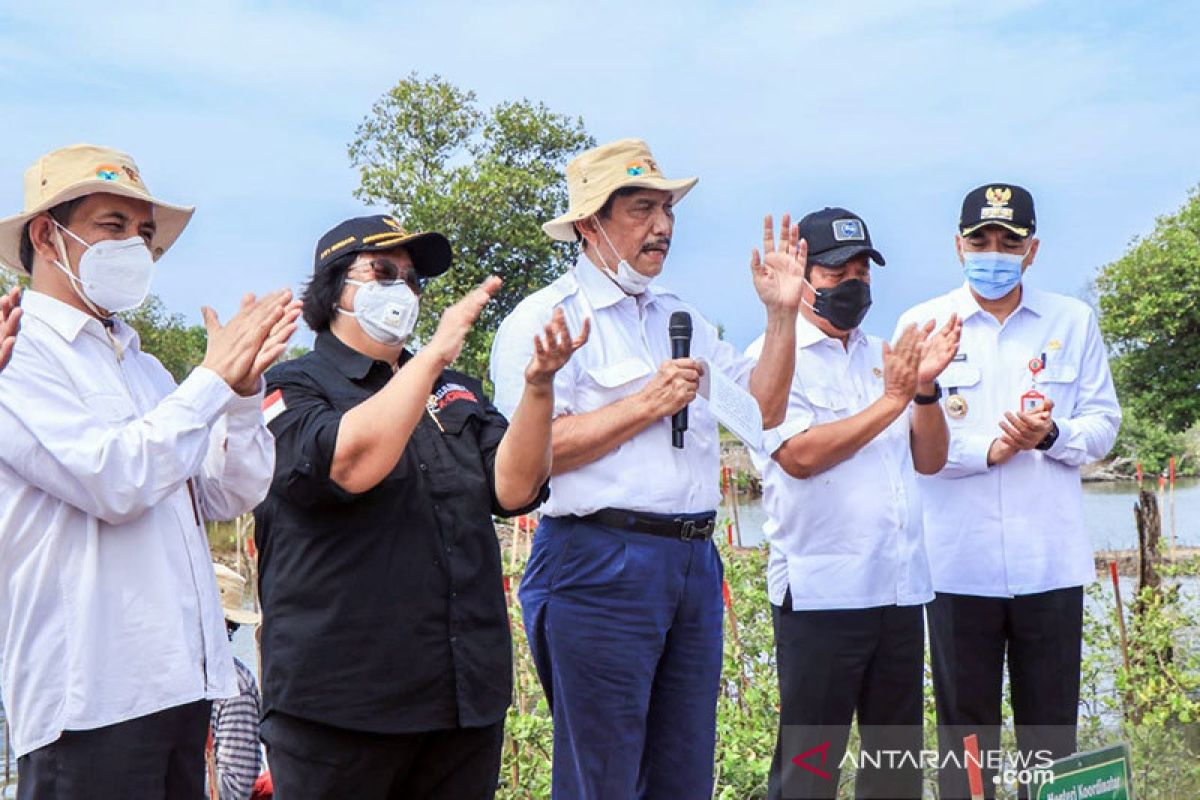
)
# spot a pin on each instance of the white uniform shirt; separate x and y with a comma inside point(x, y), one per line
point(848, 537)
point(1017, 528)
point(629, 340)
point(109, 604)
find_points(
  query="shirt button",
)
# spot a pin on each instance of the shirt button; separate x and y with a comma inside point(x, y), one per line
point(453, 640)
point(453, 595)
point(424, 468)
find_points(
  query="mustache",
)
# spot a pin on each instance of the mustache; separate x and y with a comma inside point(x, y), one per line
point(662, 243)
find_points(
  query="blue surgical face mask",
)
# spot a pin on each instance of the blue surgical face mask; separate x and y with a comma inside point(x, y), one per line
point(992, 275)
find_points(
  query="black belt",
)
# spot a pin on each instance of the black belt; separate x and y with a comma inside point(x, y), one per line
point(699, 526)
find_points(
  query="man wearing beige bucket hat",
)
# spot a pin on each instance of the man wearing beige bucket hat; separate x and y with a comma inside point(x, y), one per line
point(114, 643)
point(622, 592)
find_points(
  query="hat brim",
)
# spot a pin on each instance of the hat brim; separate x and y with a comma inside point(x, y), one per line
point(242, 616)
point(1017, 229)
point(430, 251)
point(169, 219)
point(840, 255)
point(562, 228)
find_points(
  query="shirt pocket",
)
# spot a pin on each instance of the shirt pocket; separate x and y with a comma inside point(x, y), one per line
point(960, 391)
point(606, 383)
point(830, 403)
point(1058, 383)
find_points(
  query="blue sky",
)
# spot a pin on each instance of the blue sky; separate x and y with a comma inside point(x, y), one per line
point(893, 109)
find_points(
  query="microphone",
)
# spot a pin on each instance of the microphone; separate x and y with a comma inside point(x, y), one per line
point(681, 347)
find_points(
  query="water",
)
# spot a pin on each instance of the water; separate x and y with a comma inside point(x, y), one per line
point(1107, 512)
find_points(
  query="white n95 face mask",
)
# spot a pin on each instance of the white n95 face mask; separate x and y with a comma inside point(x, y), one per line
point(386, 313)
point(114, 275)
point(629, 279)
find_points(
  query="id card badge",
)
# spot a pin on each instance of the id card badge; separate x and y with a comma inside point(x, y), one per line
point(1033, 399)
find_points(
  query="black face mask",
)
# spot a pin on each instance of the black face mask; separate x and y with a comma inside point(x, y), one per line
point(844, 305)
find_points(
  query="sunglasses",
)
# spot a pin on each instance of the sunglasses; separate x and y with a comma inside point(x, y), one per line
point(387, 272)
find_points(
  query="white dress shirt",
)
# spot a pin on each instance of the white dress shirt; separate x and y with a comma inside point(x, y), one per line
point(1017, 528)
point(110, 608)
point(629, 340)
point(850, 536)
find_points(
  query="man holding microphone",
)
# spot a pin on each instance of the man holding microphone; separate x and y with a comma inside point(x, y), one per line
point(622, 593)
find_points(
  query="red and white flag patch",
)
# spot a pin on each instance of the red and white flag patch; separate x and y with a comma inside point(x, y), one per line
point(273, 406)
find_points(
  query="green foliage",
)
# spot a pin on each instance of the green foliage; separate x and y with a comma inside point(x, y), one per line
point(1146, 442)
point(1154, 704)
point(179, 346)
point(486, 179)
point(1151, 318)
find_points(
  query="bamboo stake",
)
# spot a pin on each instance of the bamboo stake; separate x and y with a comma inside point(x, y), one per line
point(733, 497)
point(1172, 490)
point(737, 645)
point(1112, 568)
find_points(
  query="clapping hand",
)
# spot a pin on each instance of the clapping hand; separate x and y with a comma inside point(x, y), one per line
point(902, 363)
point(779, 273)
point(242, 349)
point(554, 349)
point(1027, 429)
point(457, 320)
point(10, 323)
point(938, 350)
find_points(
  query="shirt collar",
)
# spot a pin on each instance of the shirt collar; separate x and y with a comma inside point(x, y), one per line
point(966, 305)
point(68, 321)
point(350, 362)
point(600, 290)
point(808, 334)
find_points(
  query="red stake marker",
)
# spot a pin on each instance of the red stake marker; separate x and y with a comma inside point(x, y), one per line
point(974, 766)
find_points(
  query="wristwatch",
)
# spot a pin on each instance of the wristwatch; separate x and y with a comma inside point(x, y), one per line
point(1051, 438)
point(929, 399)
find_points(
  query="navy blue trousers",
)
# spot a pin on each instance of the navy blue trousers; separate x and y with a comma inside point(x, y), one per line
point(625, 630)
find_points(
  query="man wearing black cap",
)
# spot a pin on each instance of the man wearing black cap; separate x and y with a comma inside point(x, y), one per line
point(1029, 399)
point(847, 574)
point(387, 665)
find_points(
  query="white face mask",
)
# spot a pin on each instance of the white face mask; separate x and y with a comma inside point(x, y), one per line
point(386, 313)
point(629, 279)
point(114, 275)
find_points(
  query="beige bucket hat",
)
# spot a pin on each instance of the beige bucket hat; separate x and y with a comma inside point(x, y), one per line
point(78, 170)
point(595, 174)
point(233, 592)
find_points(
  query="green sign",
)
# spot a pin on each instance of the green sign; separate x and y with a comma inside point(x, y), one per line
point(1103, 774)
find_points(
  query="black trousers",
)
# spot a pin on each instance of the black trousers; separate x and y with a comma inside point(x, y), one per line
point(311, 761)
point(1041, 635)
point(832, 665)
point(160, 755)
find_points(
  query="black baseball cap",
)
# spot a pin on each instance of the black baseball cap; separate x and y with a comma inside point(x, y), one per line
point(1002, 204)
point(835, 236)
point(430, 251)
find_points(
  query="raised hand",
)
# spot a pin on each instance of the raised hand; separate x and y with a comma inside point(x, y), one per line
point(272, 347)
point(457, 320)
point(938, 350)
point(779, 274)
point(901, 364)
point(10, 323)
point(673, 386)
point(1025, 430)
point(554, 349)
point(234, 349)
